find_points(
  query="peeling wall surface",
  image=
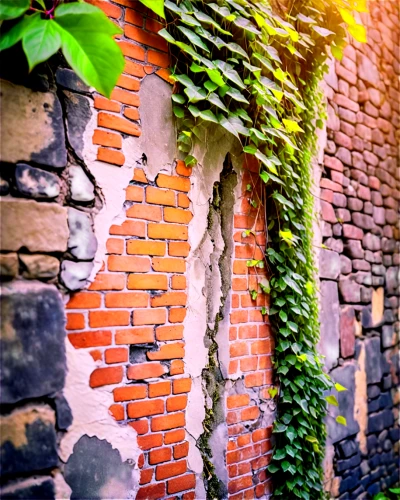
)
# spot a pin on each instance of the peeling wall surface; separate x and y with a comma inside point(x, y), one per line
point(134, 362)
point(359, 264)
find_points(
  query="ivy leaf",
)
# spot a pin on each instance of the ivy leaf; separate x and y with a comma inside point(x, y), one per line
point(10, 9)
point(273, 391)
point(15, 34)
point(214, 99)
point(358, 32)
point(195, 39)
point(195, 94)
point(273, 468)
point(201, 16)
point(322, 31)
point(305, 19)
point(210, 86)
point(189, 20)
point(347, 16)
point(279, 454)
point(278, 427)
point(157, 6)
point(234, 47)
point(341, 420)
point(167, 36)
point(41, 41)
point(209, 116)
point(178, 111)
point(227, 124)
point(194, 110)
point(337, 52)
point(83, 29)
point(291, 126)
point(237, 95)
point(332, 400)
point(283, 315)
point(215, 76)
point(247, 25)
point(293, 326)
point(180, 99)
point(339, 387)
point(285, 465)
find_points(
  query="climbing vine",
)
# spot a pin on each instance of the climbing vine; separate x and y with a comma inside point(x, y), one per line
point(254, 68)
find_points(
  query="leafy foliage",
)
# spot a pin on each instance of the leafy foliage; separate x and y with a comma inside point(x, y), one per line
point(255, 70)
point(82, 31)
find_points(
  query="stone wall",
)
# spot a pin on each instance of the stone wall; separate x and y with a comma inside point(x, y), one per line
point(359, 262)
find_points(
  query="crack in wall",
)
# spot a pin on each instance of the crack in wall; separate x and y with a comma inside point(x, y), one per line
point(218, 282)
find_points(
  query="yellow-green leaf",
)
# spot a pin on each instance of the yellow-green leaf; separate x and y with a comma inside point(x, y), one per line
point(292, 126)
point(332, 400)
point(341, 420)
point(347, 16)
point(358, 32)
point(339, 387)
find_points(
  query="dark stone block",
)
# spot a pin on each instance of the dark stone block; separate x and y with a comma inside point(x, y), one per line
point(356, 493)
point(70, 80)
point(364, 468)
point(373, 489)
point(385, 401)
point(387, 382)
point(373, 360)
point(4, 187)
point(394, 434)
point(32, 345)
point(365, 482)
point(373, 391)
point(63, 412)
point(29, 441)
point(78, 116)
point(375, 461)
point(36, 183)
point(347, 448)
point(373, 405)
point(372, 442)
point(44, 490)
point(96, 467)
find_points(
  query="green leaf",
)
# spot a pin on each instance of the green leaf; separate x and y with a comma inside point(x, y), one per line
point(273, 391)
point(322, 31)
point(339, 387)
point(40, 41)
point(332, 400)
point(210, 86)
point(189, 20)
point(190, 160)
point(194, 110)
point(341, 420)
point(292, 126)
point(209, 116)
point(358, 32)
point(234, 47)
point(15, 34)
point(204, 18)
point(167, 36)
point(10, 9)
point(180, 99)
point(285, 465)
point(250, 149)
point(214, 99)
point(157, 6)
point(272, 468)
point(279, 454)
point(195, 39)
point(215, 76)
point(178, 111)
point(83, 29)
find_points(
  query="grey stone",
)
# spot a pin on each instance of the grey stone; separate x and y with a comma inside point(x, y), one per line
point(363, 221)
point(78, 114)
point(344, 156)
point(354, 249)
point(337, 229)
point(334, 244)
point(366, 295)
point(378, 270)
point(329, 320)
point(361, 265)
point(355, 204)
point(63, 412)
point(8, 265)
point(345, 265)
point(29, 440)
point(82, 242)
point(40, 227)
point(387, 336)
point(4, 187)
point(379, 215)
point(350, 290)
point(339, 200)
point(363, 278)
point(39, 266)
point(36, 183)
point(329, 264)
point(95, 467)
point(33, 333)
point(392, 280)
point(74, 275)
point(343, 214)
point(24, 109)
point(371, 242)
point(344, 375)
point(70, 80)
point(376, 198)
point(82, 189)
point(391, 216)
point(373, 363)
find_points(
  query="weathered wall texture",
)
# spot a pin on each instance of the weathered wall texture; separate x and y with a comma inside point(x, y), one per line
point(359, 268)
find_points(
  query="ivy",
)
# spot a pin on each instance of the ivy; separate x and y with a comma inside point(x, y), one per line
point(83, 33)
point(255, 70)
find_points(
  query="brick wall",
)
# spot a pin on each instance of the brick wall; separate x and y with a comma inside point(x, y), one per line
point(359, 266)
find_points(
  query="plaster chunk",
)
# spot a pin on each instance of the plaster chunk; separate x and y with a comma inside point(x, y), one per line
point(82, 242)
point(329, 319)
point(82, 189)
point(74, 275)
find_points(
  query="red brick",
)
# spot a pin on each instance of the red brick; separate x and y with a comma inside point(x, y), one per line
point(129, 228)
point(261, 347)
point(238, 349)
point(177, 314)
point(238, 400)
point(169, 333)
point(146, 247)
point(168, 422)
point(238, 317)
point(251, 413)
point(125, 97)
point(110, 156)
point(127, 299)
point(106, 376)
point(135, 69)
point(145, 408)
point(178, 248)
point(90, 339)
point(169, 265)
point(181, 483)
point(264, 362)
point(96, 354)
point(256, 316)
point(160, 455)
point(117, 411)
point(158, 196)
point(190, 495)
point(145, 38)
point(248, 332)
point(130, 393)
point(140, 426)
point(176, 403)
point(75, 321)
point(173, 182)
point(178, 282)
point(128, 264)
point(145, 370)
point(134, 336)
point(160, 389)
point(352, 232)
point(109, 318)
point(150, 441)
point(149, 316)
point(146, 476)
point(134, 193)
point(108, 282)
point(165, 74)
point(139, 176)
point(132, 113)
point(261, 462)
point(259, 435)
point(239, 284)
point(167, 231)
point(171, 470)
point(116, 355)
point(117, 123)
point(183, 200)
point(333, 186)
point(177, 367)
point(254, 379)
point(115, 246)
point(174, 436)
point(182, 169)
point(146, 212)
point(181, 385)
point(133, 17)
point(130, 50)
point(167, 351)
point(248, 364)
point(109, 9)
point(147, 282)
point(177, 215)
point(106, 104)
point(158, 58)
point(239, 267)
point(128, 83)
point(169, 299)
point(151, 492)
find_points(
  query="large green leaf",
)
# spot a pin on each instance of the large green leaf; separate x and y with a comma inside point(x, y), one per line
point(157, 6)
point(15, 34)
point(84, 29)
point(195, 39)
point(40, 41)
point(10, 9)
